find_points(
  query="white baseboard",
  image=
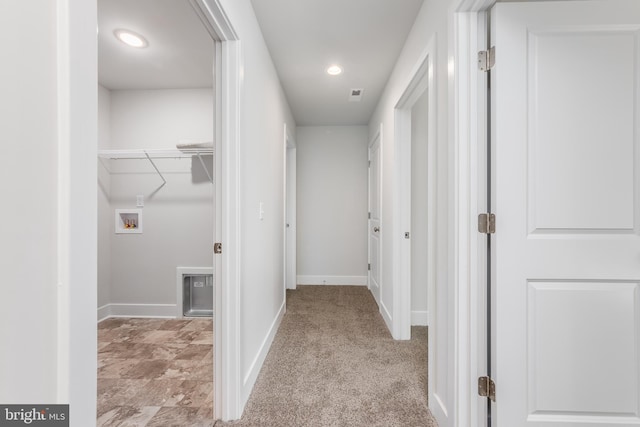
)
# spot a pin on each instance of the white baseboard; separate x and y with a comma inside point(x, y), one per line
point(386, 316)
point(137, 310)
point(104, 312)
point(333, 280)
point(252, 374)
point(419, 318)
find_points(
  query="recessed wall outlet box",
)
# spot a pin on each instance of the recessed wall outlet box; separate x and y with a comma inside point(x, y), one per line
point(128, 221)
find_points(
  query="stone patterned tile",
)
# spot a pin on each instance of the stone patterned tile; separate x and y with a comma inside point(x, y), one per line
point(167, 351)
point(195, 352)
point(141, 417)
point(127, 350)
point(199, 325)
point(180, 417)
point(187, 337)
point(117, 392)
point(149, 369)
point(112, 323)
point(127, 416)
point(190, 393)
point(203, 337)
point(174, 324)
point(182, 370)
point(118, 335)
point(150, 373)
point(115, 368)
point(158, 393)
point(157, 337)
point(144, 323)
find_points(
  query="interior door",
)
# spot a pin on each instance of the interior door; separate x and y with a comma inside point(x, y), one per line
point(374, 218)
point(566, 174)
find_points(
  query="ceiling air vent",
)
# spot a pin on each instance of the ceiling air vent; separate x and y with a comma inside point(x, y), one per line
point(355, 95)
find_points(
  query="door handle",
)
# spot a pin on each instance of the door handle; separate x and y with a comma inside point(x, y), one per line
point(376, 229)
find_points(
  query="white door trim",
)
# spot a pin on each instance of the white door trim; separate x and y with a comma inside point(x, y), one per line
point(422, 79)
point(377, 137)
point(467, 136)
point(77, 144)
point(228, 63)
point(290, 226)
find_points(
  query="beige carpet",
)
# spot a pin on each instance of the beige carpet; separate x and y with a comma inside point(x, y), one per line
point(334, 363)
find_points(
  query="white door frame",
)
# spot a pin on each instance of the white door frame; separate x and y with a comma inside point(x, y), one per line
point(422, 79)
point(77, 353)
point(290, 226)
point(227, 375)
point(378, 136)
point(468, 139)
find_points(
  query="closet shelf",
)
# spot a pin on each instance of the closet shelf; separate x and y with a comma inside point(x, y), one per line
point(151, 154)
point(154, 153)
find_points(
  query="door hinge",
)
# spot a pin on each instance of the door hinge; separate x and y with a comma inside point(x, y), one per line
point(369, 215)
point(217, 248)
point(369, 267)
point(369, 163)
point(487, 59)
point(487, 388)
point(487, 223)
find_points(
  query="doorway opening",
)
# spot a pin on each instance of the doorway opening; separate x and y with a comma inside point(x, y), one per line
point(290, 238)
point(415, 212)
point(156, 168)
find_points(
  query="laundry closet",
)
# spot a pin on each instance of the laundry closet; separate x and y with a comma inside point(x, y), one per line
point(155, 202)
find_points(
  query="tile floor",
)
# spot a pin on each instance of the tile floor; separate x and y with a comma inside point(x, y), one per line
point(155, 372)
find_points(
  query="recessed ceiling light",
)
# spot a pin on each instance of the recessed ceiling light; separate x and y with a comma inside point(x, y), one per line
point(130, 38)
point(334, 70)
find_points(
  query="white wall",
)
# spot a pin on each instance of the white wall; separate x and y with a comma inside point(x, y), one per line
point(431, 25)
point(177, 216)
point(332, 196)
point(264, 109)
point(160, 118)
point(28, 184)
point(48, 221)
point(419, 210)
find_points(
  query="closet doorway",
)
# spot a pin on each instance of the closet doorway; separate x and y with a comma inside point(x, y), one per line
point(156, 213)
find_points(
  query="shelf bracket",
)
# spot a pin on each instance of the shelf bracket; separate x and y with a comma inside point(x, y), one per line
point(164, 181)
point(204, 167)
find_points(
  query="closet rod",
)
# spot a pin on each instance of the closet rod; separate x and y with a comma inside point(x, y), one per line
point(159, 154)
point(153, 153)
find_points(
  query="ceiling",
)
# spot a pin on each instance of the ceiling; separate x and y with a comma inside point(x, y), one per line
point(180, 51)
point(304, 37)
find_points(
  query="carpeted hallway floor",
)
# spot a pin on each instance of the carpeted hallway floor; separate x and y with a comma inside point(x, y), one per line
point(334, 363)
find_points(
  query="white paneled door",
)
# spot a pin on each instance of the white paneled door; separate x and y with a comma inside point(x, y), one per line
point(374, 218)
point(566, 179)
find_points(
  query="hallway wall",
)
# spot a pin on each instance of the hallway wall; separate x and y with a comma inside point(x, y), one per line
point(28, 223)
point(332, 199)
point(431, 25)
point(48, 227)
point(264, 110)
